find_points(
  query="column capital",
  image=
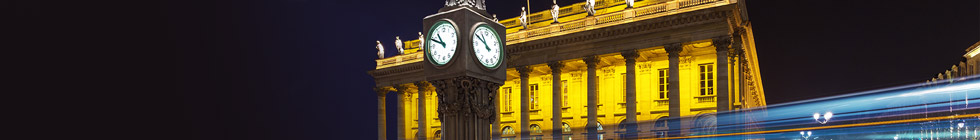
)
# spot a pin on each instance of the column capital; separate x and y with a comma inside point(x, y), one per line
point(673, 49)
point(524, 70)
point(402, 88)
point(630, 55)
point(738, 31)
point(556, 66)
point(721, 43)
point(381, 91)
point(422, 85)
point(591, 61)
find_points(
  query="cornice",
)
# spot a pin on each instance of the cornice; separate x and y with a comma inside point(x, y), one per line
point(684, 20)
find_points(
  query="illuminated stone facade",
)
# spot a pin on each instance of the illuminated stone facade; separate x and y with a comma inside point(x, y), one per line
point(967, 67)
point(571, 78)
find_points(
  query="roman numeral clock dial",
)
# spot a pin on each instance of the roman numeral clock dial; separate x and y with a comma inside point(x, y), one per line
point(441, 43)
point(487, 46)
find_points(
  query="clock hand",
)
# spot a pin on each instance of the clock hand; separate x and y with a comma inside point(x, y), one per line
point(437, 41)
point(484, 42)
point(440, 39)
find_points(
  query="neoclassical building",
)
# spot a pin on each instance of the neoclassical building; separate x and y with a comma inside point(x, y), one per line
point(623, 70)
point(967, 67)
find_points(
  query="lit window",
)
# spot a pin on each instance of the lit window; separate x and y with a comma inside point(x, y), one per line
point(707, 79)
point(564, 93)
point(534, 96)
point(506, 99)
point(565, 127)
point(508, 131)
point(535, 128)
point(663, 83)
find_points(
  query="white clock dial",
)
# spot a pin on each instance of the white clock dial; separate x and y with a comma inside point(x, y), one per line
point(441, 44)
point(486, 46)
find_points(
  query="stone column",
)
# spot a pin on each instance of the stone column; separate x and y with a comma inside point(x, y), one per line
point(525, 104)
point(723, 102)
point(592, 121)
point(422, 86)
point(738, 54)
point(673, 90)
point(466, 107)
point(631, 127)
point(382, 126)
point(556, 104)
point(401, 98)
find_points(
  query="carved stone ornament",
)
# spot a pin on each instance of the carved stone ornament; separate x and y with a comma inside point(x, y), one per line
point(478, 4)
point(721, 43)
point(674, 49)
point(466, 97)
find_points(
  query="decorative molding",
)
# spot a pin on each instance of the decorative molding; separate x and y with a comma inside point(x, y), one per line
point(466, 97)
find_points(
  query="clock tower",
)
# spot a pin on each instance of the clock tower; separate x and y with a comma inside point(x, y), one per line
point(465, 62)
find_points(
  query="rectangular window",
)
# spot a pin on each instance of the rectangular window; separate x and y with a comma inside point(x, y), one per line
point(707, 79)
point(663, 85)
point(534, 96)
point(506, 99)
point(564, 93)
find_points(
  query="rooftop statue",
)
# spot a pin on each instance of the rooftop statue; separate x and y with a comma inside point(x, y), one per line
point(590, 7)
point(421, 42)
point(523, 18)
point(629, 3)
point(381, 50)
point(554, 11)
point(398, 44)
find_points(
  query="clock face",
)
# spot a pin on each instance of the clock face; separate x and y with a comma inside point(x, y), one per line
point(486, 46)
point(441, 43)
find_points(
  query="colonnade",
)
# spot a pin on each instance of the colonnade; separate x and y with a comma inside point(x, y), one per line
point(721, 84)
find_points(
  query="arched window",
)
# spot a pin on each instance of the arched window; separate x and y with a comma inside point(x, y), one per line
point(660, 127)
point(438, 134)
point(508, 130)
point(598, 126)
point(565, 127)
point(535, 128)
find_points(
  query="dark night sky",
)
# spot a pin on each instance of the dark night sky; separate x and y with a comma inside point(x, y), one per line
point(296, 69)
